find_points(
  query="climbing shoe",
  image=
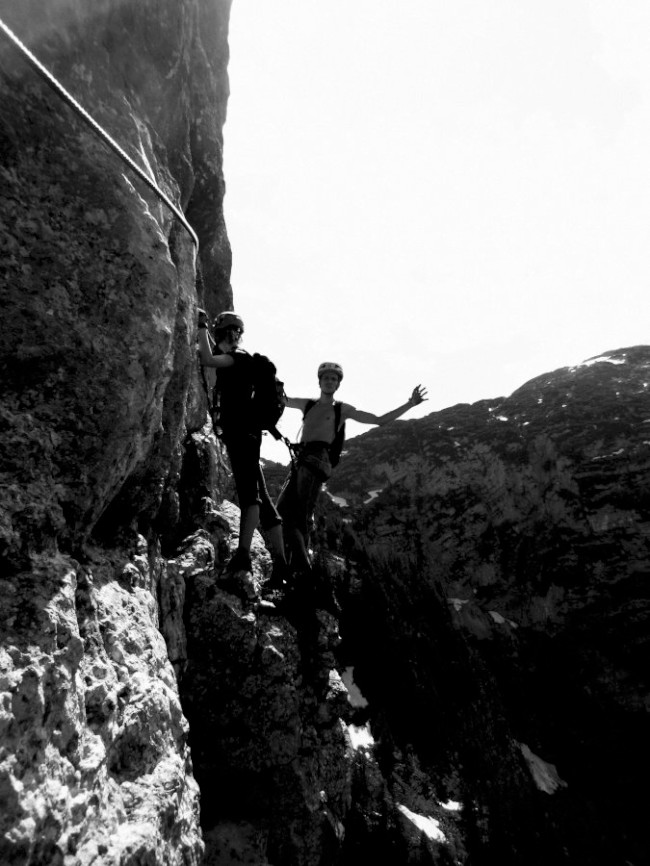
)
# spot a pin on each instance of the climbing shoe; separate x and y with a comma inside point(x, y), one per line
point(280, 577)
point(240, 561)
point(237, 577)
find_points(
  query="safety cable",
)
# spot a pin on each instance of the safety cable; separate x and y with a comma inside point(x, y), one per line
point(106, 138)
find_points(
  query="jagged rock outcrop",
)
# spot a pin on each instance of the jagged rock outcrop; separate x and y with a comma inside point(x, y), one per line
point(480, 692)
point(98, 278)
point(95, 765)
point(129, 676)
point(99, 390)
point(553, 478)
point(508, 555)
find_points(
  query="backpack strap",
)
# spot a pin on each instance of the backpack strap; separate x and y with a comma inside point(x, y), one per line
point(339, 432)
point(339, 438)
point(338, 409)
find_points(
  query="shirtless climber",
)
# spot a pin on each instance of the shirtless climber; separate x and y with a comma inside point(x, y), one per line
point(318, 450)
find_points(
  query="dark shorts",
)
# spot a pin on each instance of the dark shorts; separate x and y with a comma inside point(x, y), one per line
point(299, 494)
point(244, 454)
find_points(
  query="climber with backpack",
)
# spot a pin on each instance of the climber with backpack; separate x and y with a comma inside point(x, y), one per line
point(248, 398)
point(318, 452)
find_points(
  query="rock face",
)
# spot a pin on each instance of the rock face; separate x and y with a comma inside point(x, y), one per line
point(95, 762)
point(528, 519)
point(128, 674)
point(476, 693)
point(98, 278)
point(98, 393)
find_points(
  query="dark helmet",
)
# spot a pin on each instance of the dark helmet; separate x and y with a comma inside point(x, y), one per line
point(331, 367)
point(228, 319)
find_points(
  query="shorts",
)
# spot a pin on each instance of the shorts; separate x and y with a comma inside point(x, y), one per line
point(244, 455)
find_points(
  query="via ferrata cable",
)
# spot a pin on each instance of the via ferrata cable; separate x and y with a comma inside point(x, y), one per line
point(99, 130)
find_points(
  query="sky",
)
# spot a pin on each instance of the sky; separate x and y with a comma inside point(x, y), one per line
point(453, 193)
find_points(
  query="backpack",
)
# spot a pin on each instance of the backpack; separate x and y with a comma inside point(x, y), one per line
point(255, 399)
point(336, 446)
point(268, 398)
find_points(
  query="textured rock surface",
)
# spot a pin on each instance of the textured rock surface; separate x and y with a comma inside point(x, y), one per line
point(97, 280)
point(529, 503)
point(98, 391)
point(94, 743)
point(493, 585)
point(511, 541)
point(113, 522)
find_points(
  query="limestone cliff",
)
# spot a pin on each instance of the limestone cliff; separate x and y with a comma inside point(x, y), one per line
point(475, 689)
point(147, 716)
point(98, 279)
point(507, 554)
point(99, 392)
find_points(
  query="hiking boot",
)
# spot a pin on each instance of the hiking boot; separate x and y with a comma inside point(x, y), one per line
point(239, 561)
point(235, 585)
point(280, 577)
point(237, 576)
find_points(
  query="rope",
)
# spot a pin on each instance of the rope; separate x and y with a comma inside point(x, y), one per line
point(99, 130)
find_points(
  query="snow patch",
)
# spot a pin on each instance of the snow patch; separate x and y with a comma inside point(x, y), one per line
point(429, 826)
point(354, 694)
point(360, 736)
point(598, 360)
point(612, 454)
point(372, 494)
point(545, 775)
point(452, 806)
point(501, 620)
point(339, 500)
point(457, 602)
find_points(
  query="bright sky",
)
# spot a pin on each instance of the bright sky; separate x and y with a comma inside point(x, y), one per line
point(447, 192)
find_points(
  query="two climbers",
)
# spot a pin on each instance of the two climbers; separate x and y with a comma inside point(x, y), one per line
point(239, 425)
point(241, 432)
point(318, 452)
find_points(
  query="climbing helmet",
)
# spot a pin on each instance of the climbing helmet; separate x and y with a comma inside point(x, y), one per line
point(228, 319)
point(330, 367)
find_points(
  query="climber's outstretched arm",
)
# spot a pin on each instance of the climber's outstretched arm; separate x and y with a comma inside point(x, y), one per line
point(418, 396)
point(296, 403)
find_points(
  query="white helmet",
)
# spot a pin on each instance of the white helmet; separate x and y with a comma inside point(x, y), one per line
point(330, 367)
point(228, 319)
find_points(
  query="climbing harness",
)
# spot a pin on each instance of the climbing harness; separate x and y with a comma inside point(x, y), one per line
point(99, 130)
point(293, 450)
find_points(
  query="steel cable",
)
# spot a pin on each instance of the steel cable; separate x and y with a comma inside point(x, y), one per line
point(99, 130)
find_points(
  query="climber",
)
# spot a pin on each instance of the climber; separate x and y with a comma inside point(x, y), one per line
point(318, 452)
point(242, 438)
